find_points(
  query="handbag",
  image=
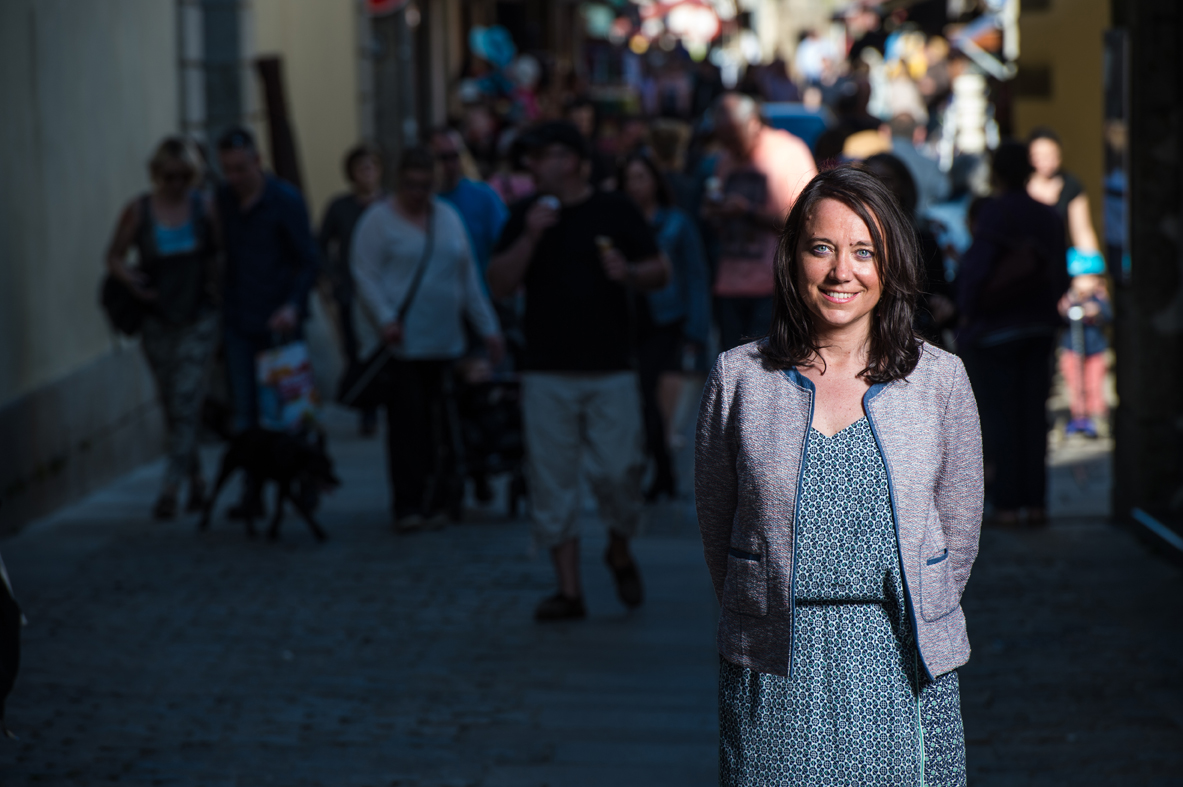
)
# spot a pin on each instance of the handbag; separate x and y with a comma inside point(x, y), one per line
point(124, 310)
point(370, 383)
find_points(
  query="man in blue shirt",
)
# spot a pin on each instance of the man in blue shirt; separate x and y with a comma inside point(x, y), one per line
point(271, 265)
point(483, 211)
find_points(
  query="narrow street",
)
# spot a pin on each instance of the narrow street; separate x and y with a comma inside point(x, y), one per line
point(154, 656)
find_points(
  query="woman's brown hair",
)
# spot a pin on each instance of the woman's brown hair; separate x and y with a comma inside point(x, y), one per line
point(894, 347)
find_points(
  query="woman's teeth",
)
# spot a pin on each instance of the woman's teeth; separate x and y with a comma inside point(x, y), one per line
point(839, 296)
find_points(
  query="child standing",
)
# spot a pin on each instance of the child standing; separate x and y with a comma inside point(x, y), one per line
point(1083, 362)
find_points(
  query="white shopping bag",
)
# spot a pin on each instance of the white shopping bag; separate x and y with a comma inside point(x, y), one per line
point(288, 401)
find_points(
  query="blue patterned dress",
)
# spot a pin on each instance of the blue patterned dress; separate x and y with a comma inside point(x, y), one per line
point(858, 710)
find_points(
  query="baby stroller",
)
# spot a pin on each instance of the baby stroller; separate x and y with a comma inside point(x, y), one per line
point(490, 425)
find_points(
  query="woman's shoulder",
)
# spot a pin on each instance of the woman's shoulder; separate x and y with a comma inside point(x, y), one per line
point(747, 363)
point(378, 216)
point(1072, 184)
point(936, 367)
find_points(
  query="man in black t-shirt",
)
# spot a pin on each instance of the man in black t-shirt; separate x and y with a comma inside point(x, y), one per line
point(583, 257)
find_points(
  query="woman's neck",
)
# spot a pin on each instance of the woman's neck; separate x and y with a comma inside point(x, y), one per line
point(366, 196)
point(844, 348)
point(648, 209)
point(168, 198)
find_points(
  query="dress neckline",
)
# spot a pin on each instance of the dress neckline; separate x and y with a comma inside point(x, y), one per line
point(846, 428)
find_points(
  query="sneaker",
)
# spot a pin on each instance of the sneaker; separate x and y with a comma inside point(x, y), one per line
point(408, 523)
point(1088, 428)
point(1072, 427)
point(628, 581)
point(560, 607)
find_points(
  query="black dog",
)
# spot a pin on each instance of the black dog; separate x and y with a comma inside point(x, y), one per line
point(291, 461)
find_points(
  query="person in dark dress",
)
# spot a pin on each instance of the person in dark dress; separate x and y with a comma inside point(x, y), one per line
point(1007, 332)
point(363, 170)
point(171, 227)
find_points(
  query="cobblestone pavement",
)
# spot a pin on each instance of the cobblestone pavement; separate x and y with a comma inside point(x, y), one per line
point(154, 656)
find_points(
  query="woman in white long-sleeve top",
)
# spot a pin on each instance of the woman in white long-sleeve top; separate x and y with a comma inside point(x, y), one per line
point(839, 492)
point(415, 274)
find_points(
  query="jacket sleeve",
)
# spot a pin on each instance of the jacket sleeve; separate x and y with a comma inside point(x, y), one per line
point(959, 490)
point(715, 479)
point(298, 228)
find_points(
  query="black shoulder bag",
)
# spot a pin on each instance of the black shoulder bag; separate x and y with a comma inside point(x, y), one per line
point(370, 383)
point(124, 310)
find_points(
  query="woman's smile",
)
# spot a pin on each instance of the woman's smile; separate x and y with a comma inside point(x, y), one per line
point(838, 296)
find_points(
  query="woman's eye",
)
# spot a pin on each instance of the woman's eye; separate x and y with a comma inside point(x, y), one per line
point(820, 249)
point(864, 254)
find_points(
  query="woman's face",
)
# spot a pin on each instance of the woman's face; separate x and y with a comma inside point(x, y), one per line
point(414, 189)
point(1045, 157)
point(173, 179)
point(837, 269)
point(638, 183)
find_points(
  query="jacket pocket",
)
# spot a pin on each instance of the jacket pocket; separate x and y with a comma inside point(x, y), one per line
point(937, 598)
point(745, 589)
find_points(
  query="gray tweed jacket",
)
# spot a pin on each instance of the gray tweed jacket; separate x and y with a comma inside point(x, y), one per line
point(752, 432)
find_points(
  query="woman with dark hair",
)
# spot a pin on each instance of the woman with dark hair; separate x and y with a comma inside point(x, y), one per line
point(838, 476)
point(935, 309)
point(172, 229)
point(1051, 185)
point(679, 312)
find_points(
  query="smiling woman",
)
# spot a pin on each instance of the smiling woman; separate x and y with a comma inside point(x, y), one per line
point(853, 204)
point(838, 480)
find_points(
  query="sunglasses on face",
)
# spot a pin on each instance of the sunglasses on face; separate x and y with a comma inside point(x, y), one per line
point(176, 176)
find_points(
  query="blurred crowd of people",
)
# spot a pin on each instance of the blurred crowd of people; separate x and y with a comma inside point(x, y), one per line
point(587, 259)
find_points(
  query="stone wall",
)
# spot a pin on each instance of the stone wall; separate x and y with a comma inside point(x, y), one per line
point(1148, 467)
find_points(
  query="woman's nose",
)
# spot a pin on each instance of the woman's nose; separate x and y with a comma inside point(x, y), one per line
point(843, 268)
